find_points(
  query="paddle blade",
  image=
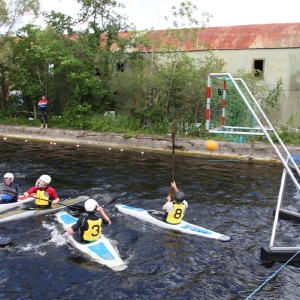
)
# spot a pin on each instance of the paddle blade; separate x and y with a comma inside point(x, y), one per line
point(77, 207)
point(174, 129)
point(172, 193)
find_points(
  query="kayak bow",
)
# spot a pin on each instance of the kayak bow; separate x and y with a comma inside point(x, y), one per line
point(21, 213)
point(8, 206)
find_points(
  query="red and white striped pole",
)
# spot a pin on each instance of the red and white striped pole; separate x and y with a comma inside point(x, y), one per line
point(208, 95)
point(224, 103)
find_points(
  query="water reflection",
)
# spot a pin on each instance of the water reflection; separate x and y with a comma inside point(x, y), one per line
point(236, 199)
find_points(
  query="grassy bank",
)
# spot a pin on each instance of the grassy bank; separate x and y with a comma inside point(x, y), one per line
point(131, 127)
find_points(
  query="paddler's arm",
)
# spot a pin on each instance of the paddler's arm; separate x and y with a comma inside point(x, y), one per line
point(72, 229)
point(104, 215)
point(51, 191)
point(55, 200)
point(174, 186)
point(167, 205)
point(30, 191)
point(169, 198)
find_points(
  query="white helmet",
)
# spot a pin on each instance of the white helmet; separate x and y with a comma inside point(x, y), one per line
point(43, 181)
point(9, 175)
point(90, 205)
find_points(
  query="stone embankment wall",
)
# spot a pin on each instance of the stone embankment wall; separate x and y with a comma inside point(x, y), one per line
point(184, 146)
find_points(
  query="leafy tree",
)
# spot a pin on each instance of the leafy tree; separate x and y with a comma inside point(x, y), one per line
point(12, 13)
point(35, 52)
point(164, 82)
point(102, 26)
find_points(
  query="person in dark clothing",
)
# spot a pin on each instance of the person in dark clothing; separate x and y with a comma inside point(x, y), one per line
point(9, 190)
point(90, 223)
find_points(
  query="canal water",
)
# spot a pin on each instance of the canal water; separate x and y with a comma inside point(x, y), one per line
point(233, 198)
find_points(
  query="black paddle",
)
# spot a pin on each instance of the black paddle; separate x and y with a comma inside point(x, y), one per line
point(81, 208)
point(69, 206)
point(172, 192)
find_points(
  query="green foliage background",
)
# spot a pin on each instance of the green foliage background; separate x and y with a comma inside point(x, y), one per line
point(89, 65)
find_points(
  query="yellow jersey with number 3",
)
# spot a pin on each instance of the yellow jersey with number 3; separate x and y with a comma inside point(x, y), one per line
point(177, 214)
point(94, 230)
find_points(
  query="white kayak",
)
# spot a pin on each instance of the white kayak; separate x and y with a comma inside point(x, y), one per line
point(5, 207)
point(23, 213)
point(183, 226)
point(101, 251)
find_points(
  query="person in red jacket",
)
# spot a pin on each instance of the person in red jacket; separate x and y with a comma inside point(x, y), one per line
point(45, 194)
point(43, 105)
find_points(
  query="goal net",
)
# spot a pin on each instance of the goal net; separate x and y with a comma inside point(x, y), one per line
point(232, 112)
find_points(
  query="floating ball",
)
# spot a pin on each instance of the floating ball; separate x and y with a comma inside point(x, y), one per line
point(211, 145)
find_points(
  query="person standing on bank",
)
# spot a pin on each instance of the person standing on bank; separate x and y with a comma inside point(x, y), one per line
point(175, 210)
point(9, 190)
point(90, 223)
point(45, 194)
point(43, 105)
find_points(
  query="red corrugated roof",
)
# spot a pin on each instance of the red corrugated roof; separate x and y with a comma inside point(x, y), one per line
point(244, 37)
point(258, 36)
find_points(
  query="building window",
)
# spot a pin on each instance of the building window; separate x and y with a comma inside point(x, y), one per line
point(258, 67)
point(120, 67)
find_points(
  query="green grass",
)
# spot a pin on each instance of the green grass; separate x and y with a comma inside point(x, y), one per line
point(131, 127)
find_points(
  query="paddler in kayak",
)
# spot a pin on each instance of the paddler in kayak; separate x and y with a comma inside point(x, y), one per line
point(45, 194)
point(176, 209)
point(9, 190)
point(90, 223)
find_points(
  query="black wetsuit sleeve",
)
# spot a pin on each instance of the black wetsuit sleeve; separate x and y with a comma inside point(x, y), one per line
point(104, 221)
point(79, 222)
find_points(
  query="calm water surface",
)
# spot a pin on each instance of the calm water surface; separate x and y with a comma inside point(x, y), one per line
point(233, 198)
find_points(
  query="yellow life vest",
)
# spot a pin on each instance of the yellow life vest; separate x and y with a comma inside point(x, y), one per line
point(177, 215)
point(40, 195)
point(94, 230)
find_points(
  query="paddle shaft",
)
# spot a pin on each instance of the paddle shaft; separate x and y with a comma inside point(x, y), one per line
point(50, 201)
point(121, 195)
point(172, 192)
